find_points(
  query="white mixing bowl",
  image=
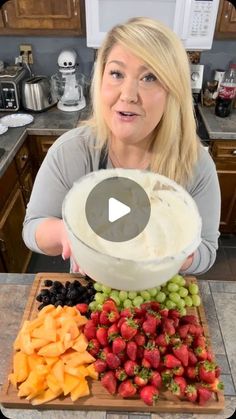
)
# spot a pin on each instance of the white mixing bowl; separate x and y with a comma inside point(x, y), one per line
point(98, 257)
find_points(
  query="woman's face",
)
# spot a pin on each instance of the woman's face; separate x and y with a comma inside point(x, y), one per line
point(133, 100)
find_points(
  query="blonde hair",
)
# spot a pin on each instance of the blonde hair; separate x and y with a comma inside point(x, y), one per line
point(175, 143)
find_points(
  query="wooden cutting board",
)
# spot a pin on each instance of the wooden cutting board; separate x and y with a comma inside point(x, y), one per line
point(99, 398)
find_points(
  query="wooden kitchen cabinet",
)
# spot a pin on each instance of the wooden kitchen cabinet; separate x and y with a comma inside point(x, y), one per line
point(44, 17)
point(14, 254)
point(226, 20)
point(224, 155)
point(39, 146)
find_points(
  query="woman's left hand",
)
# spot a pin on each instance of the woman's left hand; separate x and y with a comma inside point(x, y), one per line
point(187, 263)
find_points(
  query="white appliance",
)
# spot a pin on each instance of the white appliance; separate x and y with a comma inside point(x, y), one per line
point(67, 83)
point(192, 20)
point(196, 71)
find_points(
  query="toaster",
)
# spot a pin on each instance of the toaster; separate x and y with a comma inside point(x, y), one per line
point(36, 94)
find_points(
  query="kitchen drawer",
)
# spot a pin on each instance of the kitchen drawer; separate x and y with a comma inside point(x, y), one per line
point(224, 149)
point(22, 157)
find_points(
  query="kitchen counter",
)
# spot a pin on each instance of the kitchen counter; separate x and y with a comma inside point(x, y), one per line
point(219, 302)
point(218, 128)
point(51, 122)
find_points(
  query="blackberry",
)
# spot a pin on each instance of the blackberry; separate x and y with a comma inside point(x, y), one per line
point(59, 303)
point(48, 282)
point(39, 298)
point(57, 284)
point(41, 306)
point(72, 294)
point(46, 299)
point(67, 284)
point(53, 299)
point(44, 291)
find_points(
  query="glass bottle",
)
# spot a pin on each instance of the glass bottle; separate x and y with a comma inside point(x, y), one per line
point(227, 93)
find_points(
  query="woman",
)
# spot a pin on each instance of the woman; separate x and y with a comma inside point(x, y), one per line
point(142, 118)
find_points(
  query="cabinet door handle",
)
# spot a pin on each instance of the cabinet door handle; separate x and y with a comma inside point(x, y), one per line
point(24, 157)
point(234, 152)
point(5, 15)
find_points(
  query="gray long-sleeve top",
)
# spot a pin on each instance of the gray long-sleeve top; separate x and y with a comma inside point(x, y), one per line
point(75, 154)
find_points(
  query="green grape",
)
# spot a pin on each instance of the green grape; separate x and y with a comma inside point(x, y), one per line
point(100, 298)
point(160, 297)
point(97, 286)
point(177, 279)
point(127, 303)
point(93, 305)
point(196, 300)
point(183, 311)
point(152, 292)
point(99, 307)
point(193, 289)
point(183, 292)
point(188, 301)
point(114, 293)
point(137, 301)
point(132, 294)
point(173, 296)
point(180, 303)
point(182, 282)
point(116, 299)
point(172, 287)
point(106, 290)
point(165, 289)
point(123, 295)
point(170, 304)
point(145, 295)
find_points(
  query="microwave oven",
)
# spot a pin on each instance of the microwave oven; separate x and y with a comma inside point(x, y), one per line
point(192, 20)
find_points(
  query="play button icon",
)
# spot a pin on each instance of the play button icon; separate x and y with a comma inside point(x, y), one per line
point(117, 209)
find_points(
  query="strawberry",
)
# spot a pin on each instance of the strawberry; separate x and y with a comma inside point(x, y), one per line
point(188, 340)
point(162, 349)
point(95, 317)
point(109, 305)
point(149, 394)
point(113, 361)
point(127, 389)
point(201, 353)
point(170, 361)
point(108, 381)
point(150, 325)
point(192, 359)
point(102, 336)
point(217, 371)
point(177, 386)
point(167, 326)
point(145, 363)
point(181, 352)
point(152, 355)
point(140, 339)
point(113, 332)
point(120, 374)
point(207, 372)
point(93, 347)
point(90, 330)
point(140, 352)
point(199, 341)
point(203, 395)
point(164, 312)
point(216, 386)
point(166, 376)
point(192, 372)
point(126, 312)
point(156, 379)
point(183, 330)
point(131, 350)
point(131, 368)
point(104, 318)
point(178, 371)
point(189, 318)
point(191, 393)
point(100, 365)
point(122, 356)
point(146, 306)
point(128, 329)
point(155, 306)
point(82, 308)
point(103, 353)
point(141, 379)
point(118, 345)
point(120, 322)
point(162, 339)
point(210, 355)
point(195, 330)
point(175, 340)
point(173, 313)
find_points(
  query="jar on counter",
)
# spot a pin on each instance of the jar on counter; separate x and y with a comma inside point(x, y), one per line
point(227, 93)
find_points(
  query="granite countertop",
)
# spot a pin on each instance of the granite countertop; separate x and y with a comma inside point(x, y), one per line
point(219, 302)
point(218, 128)
point(51, 122)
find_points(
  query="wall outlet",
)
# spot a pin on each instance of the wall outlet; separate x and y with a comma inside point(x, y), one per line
point(26, 53)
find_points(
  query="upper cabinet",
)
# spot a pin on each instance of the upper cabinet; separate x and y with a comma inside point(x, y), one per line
point(44, 17)
point(226, 20)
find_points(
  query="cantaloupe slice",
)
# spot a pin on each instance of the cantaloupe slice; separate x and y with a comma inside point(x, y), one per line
point(52, 349)
point(58, 371)
point(20, 365)
point(81, 390)
point(92, 372)
point(53, 383)
point(37, 343)
point(34, 360)
point(70, 382)
point(81, 343)
point(80, 358)
point(45, 396)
